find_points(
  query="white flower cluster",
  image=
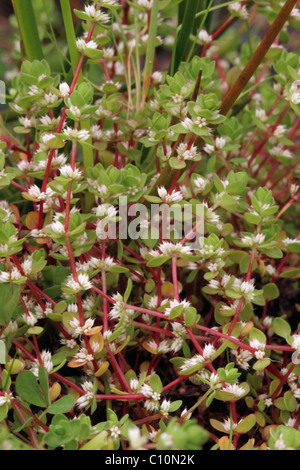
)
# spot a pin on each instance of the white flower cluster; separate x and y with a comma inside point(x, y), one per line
point(239, 10)
point(186, 152)
point(167, 198)
point(85, 401)
point(83, 282)
point(199, 359)
point(260, 348)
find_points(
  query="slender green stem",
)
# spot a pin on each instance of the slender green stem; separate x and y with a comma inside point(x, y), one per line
point(28, 28)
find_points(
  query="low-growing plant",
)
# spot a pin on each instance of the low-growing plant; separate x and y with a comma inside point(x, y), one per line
point(149, 238)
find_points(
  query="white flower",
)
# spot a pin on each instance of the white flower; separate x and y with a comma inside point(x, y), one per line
point(293, 94)
point(147, 4)
point(166, 439)
point(169, 198)
point(280, 444)
point(237, 9)
point(75, 134)
point(208, 351)
point(136, 440)
point(261, 115)
point(102, 264)
point(185, 416)
point(146, 390)
point(196, 360)
point(108, 53)
point(187, 123)
point(220, 142)
point(152, 405)
point(200, 183)
point(134, 384)
point(260, 348)
point(115, 432)
point(174, 250)
point(4, 276)
point(296, 342)
point(82, 46)
point(27, 266)
point(68, 172)
point(6, 398)
point(29, 319)
point(64, 89)
point(85, 401)
point(268, 402)
point(279, 131)
point(228, 424)
point(75, 111)
point(35, 192)
point(47, 360)
point(208, 148)
point(235, 389)
point(57, 227)
point(157, 77)
point(165, 407)
point(204, 37)
point(83, 356)
point(83, 282)
point(26, 122)
point(247, 288)
point(187, 153)
point(242, 358)
point(96, 15)
point(10, 329)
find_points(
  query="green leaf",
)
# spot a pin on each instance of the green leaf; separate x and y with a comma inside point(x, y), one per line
point(44, 383)
point(246, 424)
point(281, 327)
point(210, 398)
point(290, 401)
point(224, 396)
point(10, 296)
point(175, 405)
point(175, 312)
point(63, 405)
point(190, 316)
point(157, 261)
point(128, 290)
point(293, 247)
point(28, 388)
point(261, 364)
point(155, 383)
point(35, 330)
point(228, 203)
point(290, 273)
point(271, 291)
